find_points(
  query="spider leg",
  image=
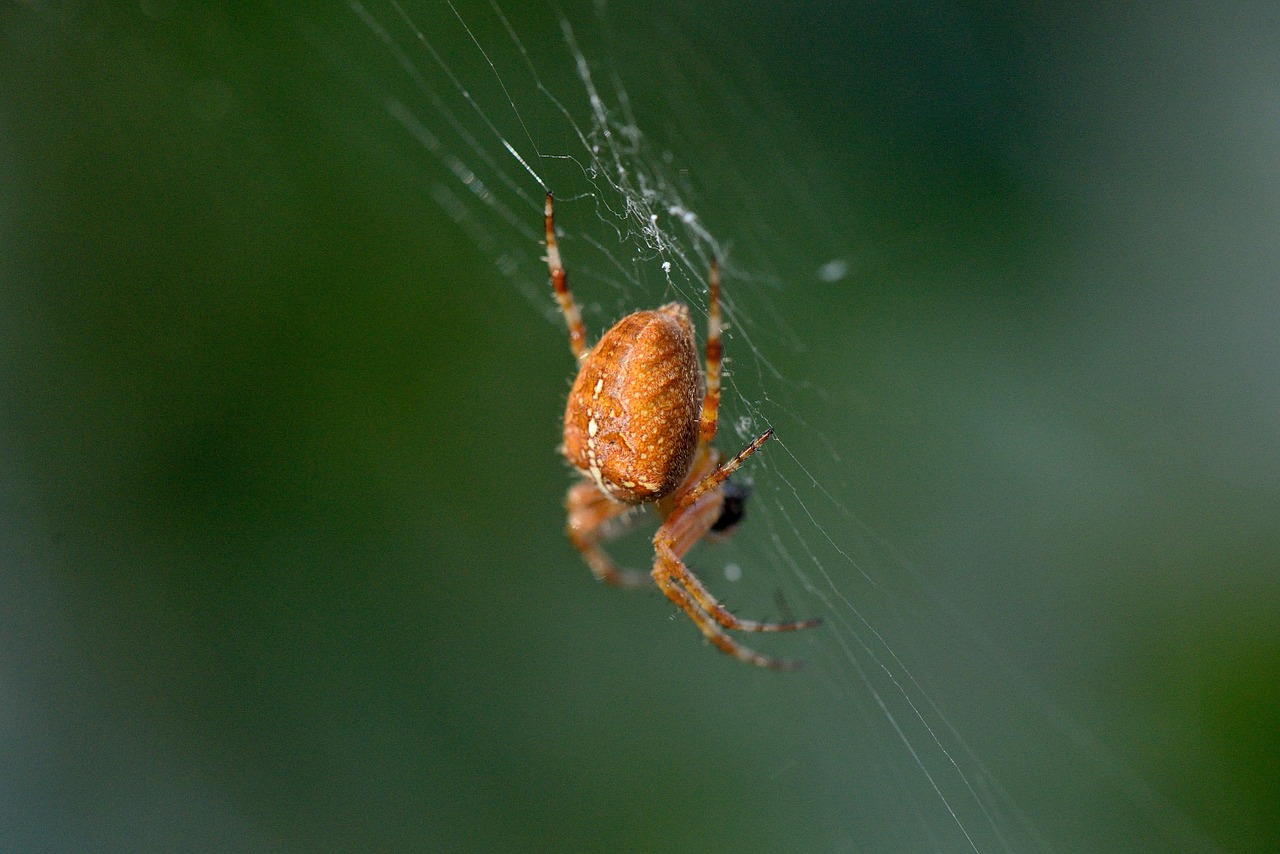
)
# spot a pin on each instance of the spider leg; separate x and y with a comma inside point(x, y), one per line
point(711, 401)
point(710, 630)
point(676, 536)
point(728, 619)
point(560, 282)
point(722, 472)
point(593, 517)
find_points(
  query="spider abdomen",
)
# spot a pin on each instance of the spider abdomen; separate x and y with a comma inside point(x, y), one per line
point(631, 423)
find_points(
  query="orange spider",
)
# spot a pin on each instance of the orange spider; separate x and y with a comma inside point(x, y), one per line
point(638, 426)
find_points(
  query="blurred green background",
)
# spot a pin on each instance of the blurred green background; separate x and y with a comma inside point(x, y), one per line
point(282, 550)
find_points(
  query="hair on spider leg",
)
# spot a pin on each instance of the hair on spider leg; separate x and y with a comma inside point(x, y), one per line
point(780, 599)
point(625, 522)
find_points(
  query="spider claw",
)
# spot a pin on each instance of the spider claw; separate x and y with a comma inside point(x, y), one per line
point(783, 664)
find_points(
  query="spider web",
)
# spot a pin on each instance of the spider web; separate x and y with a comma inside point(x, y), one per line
point(282, 544)
point(914, 726)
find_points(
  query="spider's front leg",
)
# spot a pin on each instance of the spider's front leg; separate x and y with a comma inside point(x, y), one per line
point(594, 517)
point(693, 517)
point(681, 530)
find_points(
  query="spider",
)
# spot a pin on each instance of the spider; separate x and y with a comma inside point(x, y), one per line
point(638, 427)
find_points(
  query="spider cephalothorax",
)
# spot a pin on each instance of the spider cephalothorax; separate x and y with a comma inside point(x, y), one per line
point(638, 426)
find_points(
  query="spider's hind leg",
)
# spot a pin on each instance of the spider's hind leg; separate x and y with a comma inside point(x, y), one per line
point(560, 284)
point(710, 417)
